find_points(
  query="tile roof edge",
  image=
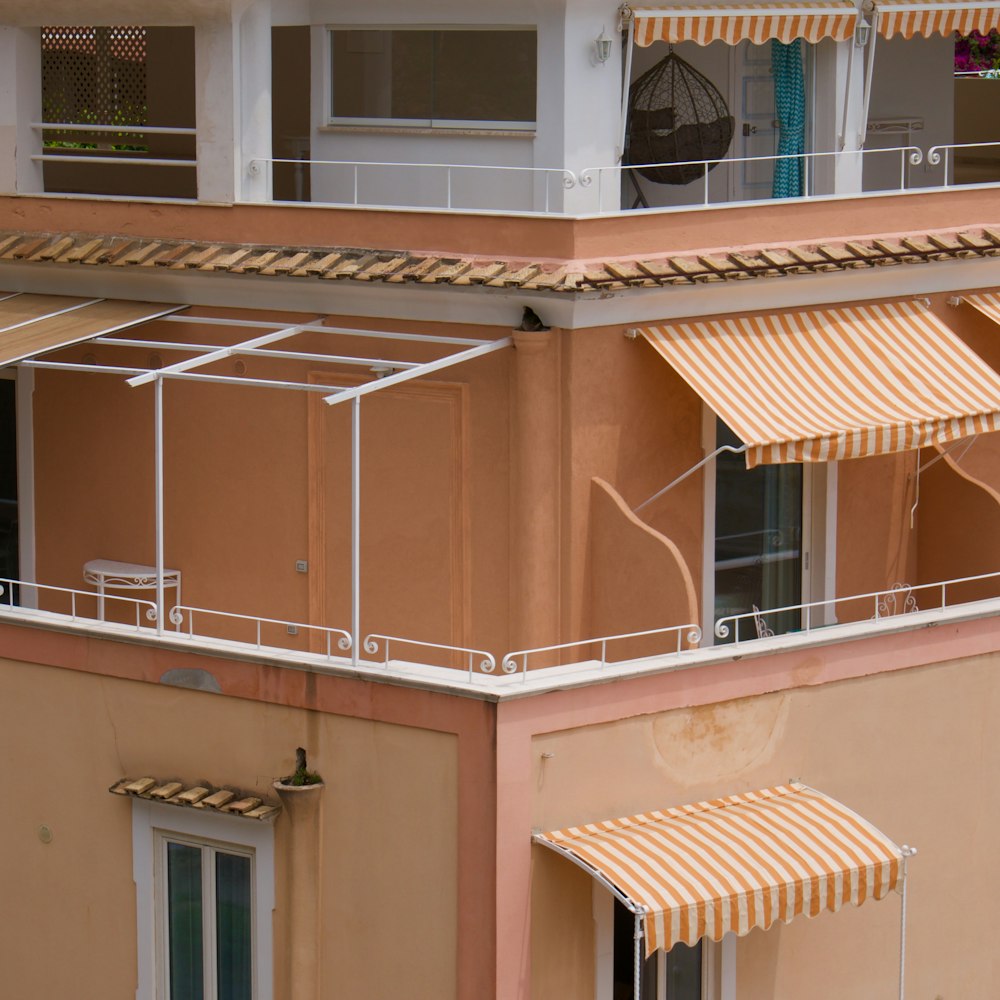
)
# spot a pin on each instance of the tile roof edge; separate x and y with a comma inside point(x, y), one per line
point(206, 796)
point(566, 276)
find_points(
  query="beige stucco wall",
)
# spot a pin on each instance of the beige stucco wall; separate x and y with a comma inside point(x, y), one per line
point(388, 831)
point(908, 750)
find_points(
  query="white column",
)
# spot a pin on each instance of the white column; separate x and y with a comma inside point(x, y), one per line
point(254, 101)
point(579, 102)
point(20, 105)
point(233, 80)
point(839, 113)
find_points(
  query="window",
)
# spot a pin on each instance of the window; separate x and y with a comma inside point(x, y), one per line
point(770, 534)
point(205, 915)
point(433, 77)
point(204, 893)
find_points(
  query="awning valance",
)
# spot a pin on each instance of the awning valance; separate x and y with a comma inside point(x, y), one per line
point(736, 863)
point(830, 384)
point(34, 324)
point(733, 23)
point(913, 17)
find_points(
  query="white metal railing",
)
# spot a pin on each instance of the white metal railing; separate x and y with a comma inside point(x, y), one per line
point(8, 603)
point(331, 635)
point(122, 156)
point(683, 633)
point(944, 152)
point(567, 178)
point(908, 156)
point(487, 662)
point(901, 598)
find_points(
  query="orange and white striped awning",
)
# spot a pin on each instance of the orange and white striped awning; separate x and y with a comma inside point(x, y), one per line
point(736, 863)
point(829, 384)
point(988, 303)
point(733, 23)
point(928, 17)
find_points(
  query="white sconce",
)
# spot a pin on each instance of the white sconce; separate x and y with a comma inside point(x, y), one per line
point(862, 33)
point(602, 47)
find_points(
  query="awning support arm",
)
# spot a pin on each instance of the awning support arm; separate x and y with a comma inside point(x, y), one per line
point(694, 468)
point(632, 907)
point(933, 461)
point(637, 959)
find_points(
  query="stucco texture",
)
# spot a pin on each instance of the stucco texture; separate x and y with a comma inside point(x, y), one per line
point(387, 867)
point(898, 748)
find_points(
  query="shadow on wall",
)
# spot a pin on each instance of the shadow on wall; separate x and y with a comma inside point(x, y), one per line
point(958, 522)
point(638, 578)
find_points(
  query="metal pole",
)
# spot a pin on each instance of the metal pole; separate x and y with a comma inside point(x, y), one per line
point(637, 960)
point(907, 853)
point(158, 453)
point(356, 531)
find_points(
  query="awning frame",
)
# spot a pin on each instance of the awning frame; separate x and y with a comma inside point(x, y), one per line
point(639, 911)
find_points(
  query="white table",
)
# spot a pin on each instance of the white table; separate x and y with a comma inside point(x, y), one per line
point(106, 574)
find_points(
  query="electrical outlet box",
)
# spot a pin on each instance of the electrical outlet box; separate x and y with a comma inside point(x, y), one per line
point(301, 566)
point(292, 629)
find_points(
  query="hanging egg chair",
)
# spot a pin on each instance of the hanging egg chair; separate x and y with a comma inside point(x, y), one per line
point(675, 114)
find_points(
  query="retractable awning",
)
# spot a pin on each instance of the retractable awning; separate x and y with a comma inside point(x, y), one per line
point(830, 384)
point(988, 303)
point(35, 324)
point(733, 23)
point(733, 864)
point(928, 17)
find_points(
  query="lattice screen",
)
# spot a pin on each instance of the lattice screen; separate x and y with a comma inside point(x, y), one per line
point(94, 76)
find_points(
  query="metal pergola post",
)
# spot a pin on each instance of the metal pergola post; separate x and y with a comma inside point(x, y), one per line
point(356, 530)
point(158, 461)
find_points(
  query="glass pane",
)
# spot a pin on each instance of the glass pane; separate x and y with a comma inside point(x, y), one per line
point(234, 940)
point(382, 74)
point(184, 922)
point(485, 76)
point(684, 972)
point(758, 540)
point(425, 75)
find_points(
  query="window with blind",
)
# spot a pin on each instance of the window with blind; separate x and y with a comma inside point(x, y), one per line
point(434, 77)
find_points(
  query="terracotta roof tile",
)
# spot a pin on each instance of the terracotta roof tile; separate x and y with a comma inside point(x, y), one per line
point(202, 796)
point(398, 267)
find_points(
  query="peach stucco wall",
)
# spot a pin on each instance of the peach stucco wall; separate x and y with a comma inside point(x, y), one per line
point(389, 887)
point(258, 479)
point(906, 750)
point(406, 848)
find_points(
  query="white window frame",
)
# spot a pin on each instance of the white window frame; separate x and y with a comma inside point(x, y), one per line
point(718, 962)
point(153, 824)
point(442, 124)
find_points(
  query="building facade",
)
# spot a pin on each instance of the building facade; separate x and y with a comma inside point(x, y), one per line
point(448, 554)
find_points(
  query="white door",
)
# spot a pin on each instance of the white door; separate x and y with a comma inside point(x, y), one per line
point(752, 101)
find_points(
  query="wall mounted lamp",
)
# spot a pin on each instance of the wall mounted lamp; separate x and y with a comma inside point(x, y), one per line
point(602, 47)
point(862, 33)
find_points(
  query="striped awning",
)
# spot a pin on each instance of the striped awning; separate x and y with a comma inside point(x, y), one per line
point(35, 324)
point(733, 23)
point(913, 17)
point(736, 863)
point(830, 384)
point(988, 303)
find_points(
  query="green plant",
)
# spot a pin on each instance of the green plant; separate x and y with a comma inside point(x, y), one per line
point(302, 775)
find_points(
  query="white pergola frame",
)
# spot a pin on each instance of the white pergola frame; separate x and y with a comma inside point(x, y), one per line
point(271, 333)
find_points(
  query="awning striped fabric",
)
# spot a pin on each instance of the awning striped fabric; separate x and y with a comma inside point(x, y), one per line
point(830, 384)
point(736, 863)
point(733, 23)
point(913, 17)
point(988, 303)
